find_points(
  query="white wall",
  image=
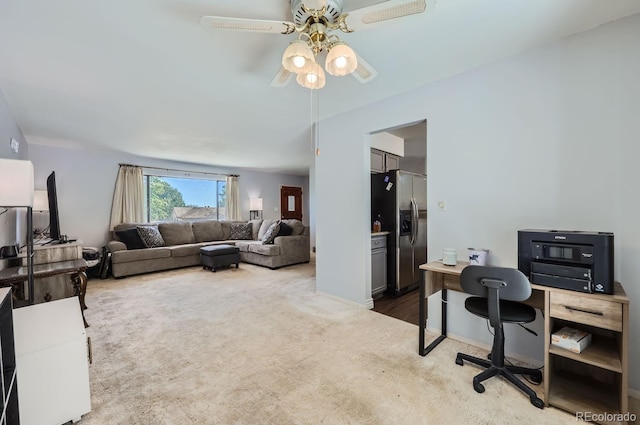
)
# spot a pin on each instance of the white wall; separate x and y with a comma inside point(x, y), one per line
point(545, 139)
point(10, 233)
point(85, 180)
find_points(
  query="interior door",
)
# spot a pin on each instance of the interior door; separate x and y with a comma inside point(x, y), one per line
point(291, 202)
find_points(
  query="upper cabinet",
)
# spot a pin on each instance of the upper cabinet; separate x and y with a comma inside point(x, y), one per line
point(382, 162)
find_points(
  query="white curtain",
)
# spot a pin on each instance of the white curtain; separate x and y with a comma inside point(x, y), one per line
point(233, 198)
point(128, 197)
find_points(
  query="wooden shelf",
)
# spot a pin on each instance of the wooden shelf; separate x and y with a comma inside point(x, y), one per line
point(577, 393)
point(603, 352)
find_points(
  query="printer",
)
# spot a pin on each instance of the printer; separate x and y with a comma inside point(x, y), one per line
point(567, 259)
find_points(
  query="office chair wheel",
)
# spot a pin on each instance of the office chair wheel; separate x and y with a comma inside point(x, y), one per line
point(537, 402)
point(459, 361)
point(480, 388)
point(536, 378)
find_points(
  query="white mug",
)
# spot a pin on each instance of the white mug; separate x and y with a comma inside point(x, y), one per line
point(449, 257)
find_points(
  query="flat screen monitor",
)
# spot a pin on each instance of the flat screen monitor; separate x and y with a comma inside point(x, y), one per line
point(54, 219)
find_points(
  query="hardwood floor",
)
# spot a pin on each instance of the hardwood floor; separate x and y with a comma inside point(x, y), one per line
point(404, 307)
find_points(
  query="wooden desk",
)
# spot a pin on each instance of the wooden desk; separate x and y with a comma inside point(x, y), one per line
point(595, 380)
point(438, 277)
point(76, 269)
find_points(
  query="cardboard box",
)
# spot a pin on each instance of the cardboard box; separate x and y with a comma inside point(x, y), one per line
point(571, 339)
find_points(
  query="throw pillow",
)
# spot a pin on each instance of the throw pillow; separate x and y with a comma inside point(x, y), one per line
point(130, 238)
point(241, 231)
point(296, 225)
point(150, 236)
point(285, 229)
point(271, 233)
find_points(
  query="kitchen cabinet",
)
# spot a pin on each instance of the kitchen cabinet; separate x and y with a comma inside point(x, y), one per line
point(52, 363)
point(378, 263)
point(382, 161)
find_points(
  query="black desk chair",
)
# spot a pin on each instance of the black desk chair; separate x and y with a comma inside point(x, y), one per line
point(497, 289)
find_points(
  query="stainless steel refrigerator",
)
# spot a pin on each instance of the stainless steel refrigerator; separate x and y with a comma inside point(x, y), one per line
point(399, 201)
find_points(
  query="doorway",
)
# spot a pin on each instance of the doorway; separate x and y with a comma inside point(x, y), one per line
point(412, 159)
point(291, 202)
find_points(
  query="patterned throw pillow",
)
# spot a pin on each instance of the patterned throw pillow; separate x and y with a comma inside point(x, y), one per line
point(150, 236)
point(271, 233)
point(241, 231)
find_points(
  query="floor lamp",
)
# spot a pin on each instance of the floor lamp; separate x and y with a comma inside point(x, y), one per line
point(16, 190)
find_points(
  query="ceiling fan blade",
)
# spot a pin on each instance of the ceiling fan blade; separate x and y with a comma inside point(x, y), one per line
point(282, 78)
point(364, 72)
point(379, 14)
point(253, 25)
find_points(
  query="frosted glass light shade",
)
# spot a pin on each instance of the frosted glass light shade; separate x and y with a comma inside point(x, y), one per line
point(40, 200)
point(298, 57)
point(341, 60)
point(16, 183)
point(313, 79)
point(255, 204)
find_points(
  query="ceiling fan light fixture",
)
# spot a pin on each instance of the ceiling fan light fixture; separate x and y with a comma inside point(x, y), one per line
point(313, 79)
point(341, 60)
point(298, 57)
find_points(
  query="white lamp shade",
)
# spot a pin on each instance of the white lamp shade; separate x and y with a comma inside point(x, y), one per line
point(255, 204)
point(341, 60)
point(313, 79)
point(298, 57)
point(40, 200)
point(16, 183)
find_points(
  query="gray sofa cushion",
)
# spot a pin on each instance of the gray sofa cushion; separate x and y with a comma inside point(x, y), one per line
point(207, 230)
point(255, 228)
point(140, 254)
point(268, 250)
point(176, 233)
point(184, 250)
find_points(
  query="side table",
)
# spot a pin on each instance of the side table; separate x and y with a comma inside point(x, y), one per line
point(75, 269)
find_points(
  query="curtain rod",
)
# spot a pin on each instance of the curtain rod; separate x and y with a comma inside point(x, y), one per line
point(180, 171)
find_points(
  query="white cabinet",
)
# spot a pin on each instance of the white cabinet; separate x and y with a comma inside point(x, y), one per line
point(52, 364)
point(382, 161)
point(8, 381)
point(378, 264)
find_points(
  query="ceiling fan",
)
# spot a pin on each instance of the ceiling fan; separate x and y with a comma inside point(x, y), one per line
point(314, 28)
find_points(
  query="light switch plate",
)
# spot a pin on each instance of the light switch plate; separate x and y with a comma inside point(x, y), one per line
point(15, 145)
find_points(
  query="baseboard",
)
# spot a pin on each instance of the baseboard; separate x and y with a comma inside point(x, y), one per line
point(519, 357)
point(634, 393)
point(368, 304)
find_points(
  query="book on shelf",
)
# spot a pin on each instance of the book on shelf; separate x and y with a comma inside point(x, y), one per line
point(575, 340)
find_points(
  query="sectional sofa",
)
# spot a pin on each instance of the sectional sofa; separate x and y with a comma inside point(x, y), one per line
point(181, 242)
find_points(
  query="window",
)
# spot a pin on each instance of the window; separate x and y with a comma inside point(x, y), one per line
point(169, 198)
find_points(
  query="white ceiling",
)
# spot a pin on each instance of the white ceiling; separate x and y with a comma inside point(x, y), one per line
point(145, 78)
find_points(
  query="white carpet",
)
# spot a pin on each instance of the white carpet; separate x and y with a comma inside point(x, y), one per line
point(259, 346)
